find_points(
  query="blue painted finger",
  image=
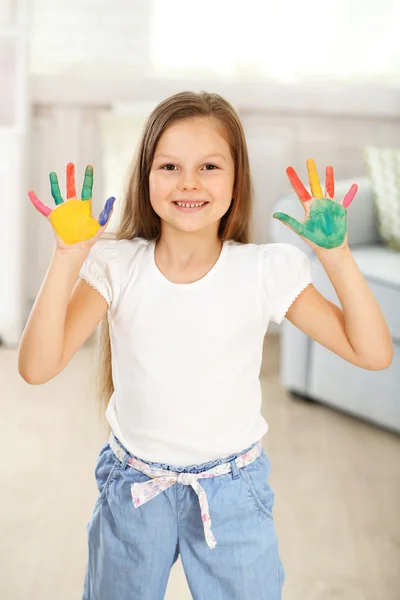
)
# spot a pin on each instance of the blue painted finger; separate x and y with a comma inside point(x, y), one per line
point(105, 213)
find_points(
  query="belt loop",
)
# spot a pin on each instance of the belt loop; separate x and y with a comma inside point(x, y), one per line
point(125, 461)
point(235, 470)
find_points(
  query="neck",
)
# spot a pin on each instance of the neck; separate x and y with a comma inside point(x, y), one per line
point(186, 251)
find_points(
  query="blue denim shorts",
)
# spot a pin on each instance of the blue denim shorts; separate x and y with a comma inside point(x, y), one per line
point(133, 548)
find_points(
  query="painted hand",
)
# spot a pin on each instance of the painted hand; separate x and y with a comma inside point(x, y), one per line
point(325, 223)
point(72, 220)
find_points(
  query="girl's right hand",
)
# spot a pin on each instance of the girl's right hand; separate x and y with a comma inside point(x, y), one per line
point(72, 221)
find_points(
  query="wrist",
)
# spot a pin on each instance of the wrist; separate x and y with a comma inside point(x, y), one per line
point(334, 256)
point(71, 257)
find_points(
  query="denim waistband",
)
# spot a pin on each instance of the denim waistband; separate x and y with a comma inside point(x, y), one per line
point(195, 468)
point(161, 479)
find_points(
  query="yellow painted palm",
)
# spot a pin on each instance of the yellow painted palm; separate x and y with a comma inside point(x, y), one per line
point(72, 220)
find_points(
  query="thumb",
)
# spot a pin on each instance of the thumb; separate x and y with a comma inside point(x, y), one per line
point(105, 213)
point(290, 221)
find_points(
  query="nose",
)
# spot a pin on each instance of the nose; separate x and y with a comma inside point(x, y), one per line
point(189, 180)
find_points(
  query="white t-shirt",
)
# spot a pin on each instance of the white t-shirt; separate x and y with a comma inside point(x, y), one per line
point(186, 358)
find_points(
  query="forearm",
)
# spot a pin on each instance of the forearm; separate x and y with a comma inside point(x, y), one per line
point(42, 341)
point(365, 324)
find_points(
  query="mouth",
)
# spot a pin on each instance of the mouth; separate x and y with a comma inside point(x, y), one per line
point(190, 206)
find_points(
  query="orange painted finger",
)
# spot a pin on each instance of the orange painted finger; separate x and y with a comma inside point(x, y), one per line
point(329, 183)
point(313, 178)
point(44, 210)
point(298, 187)
point(349, 197)
point(71, 189)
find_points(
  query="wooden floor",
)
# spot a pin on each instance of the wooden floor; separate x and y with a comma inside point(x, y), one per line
point(336, 483)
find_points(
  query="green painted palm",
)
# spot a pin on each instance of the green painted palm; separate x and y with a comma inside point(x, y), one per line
point(325, 223)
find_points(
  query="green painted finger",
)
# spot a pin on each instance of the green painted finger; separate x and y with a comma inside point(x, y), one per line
point(295, 225)
point(87, 183)
point(55, 189)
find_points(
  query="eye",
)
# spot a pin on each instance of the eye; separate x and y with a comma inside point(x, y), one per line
point(212, 167)
point(168, 165)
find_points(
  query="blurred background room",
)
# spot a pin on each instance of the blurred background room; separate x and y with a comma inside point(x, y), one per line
point(316, 79)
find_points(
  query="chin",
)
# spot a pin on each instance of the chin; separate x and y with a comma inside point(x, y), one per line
point(188, 228)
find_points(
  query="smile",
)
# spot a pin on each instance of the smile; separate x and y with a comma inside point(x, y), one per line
point(190, 206)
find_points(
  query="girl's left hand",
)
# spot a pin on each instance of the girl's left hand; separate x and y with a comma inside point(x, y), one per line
point(325, 223)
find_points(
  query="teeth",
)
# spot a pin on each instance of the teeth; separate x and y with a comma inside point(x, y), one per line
point(190, 205)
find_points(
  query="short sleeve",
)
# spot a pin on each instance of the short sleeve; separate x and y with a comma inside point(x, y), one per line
point(286, 272)
point(100, 270)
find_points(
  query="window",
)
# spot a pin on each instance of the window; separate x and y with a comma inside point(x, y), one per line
point(287, 41)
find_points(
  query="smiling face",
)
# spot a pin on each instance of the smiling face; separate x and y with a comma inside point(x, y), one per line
point(192, 165)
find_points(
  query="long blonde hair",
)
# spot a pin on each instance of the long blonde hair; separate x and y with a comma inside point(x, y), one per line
point(138, 217)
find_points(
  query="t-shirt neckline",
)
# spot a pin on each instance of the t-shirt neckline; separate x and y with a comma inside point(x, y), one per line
point(193, 284)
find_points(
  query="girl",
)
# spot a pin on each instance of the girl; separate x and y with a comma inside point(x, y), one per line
point(185, 300)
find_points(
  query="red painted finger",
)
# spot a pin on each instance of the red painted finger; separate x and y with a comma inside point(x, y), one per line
point(298, 187)
point(349, 197)
point(71, 189)
point(329, 183)
point(45, 210)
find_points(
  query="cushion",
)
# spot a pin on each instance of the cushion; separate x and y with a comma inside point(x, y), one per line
point(384, 172)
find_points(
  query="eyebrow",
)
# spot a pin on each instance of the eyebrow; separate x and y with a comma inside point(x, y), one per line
point(213, 155)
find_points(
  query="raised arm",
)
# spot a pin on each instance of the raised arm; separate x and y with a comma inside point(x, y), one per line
point(65, 312)
point(358, 332)
point(63, 317)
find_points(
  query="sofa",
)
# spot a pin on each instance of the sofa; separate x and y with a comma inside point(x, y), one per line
point(309, 370)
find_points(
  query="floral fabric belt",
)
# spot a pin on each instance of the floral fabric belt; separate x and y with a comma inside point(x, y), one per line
point(162, 479)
